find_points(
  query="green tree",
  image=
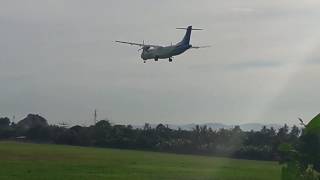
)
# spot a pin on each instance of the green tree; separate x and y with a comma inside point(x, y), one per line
point(303, 160)
point(4, 122)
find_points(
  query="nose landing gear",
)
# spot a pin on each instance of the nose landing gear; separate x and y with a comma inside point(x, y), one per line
point(170, 59)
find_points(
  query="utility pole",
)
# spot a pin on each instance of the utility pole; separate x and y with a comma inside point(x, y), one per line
point(95, 116)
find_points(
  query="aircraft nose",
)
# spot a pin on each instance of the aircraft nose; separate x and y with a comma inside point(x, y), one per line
point(143, 57)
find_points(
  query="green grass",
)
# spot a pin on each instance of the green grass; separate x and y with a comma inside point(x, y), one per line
point(40, 161)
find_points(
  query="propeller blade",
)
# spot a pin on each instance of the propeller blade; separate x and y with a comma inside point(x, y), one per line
point(142, 46)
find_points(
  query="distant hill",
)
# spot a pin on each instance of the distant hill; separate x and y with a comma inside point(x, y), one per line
point(217, 126)
point(258, 127)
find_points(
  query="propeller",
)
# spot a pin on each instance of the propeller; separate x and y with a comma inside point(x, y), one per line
point(142, 46)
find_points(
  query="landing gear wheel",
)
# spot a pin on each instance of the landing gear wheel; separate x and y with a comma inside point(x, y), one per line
point(144, 61)
point(170, 59)
point(156, 58)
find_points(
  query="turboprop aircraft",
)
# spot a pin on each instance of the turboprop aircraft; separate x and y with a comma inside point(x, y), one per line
point(165, 52)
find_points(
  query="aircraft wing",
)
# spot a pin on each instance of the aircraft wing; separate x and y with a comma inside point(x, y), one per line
point(137, 44)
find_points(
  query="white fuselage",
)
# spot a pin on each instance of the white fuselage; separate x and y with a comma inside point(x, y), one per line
point(164, 52)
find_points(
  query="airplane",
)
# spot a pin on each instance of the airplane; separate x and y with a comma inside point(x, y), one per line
point(166, 52)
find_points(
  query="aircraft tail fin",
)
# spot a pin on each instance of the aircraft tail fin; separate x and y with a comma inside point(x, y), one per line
point(186, 38)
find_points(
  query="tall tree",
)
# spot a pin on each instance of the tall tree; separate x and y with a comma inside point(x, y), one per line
point(4, 122)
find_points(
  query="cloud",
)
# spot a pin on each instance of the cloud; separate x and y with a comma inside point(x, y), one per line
point(244, 10)
point(254, 65)
point(61, 60)
point(313, 61)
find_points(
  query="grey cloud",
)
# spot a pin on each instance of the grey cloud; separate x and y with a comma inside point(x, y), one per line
point(58, 58)
point(313, 61)
point(254, 65)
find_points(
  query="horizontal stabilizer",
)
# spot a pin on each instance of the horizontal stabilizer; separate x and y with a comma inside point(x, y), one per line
point(191, 28)
point(198, 47)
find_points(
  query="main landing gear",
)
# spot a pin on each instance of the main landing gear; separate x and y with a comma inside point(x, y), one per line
point(144, 61)
point(170, 59)
point(156, 58)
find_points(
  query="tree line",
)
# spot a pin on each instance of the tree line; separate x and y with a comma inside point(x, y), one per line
point(258, 145)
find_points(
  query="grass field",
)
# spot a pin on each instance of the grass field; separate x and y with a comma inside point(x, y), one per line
point(39, 161)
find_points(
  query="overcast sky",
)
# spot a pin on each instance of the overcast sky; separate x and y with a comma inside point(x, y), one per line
point(58, 59)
